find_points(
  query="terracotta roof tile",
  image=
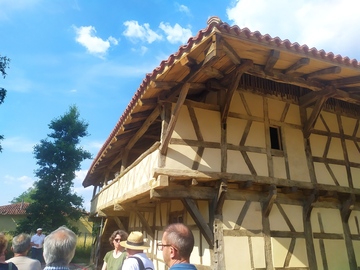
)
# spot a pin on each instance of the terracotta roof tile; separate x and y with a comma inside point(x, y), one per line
point(14, 209)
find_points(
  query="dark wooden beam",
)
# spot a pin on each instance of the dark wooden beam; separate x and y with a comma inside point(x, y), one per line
point(346, 81)
point(195, 213)
point(163, 85)
point(347, 207)
point(148, 101)
point(145, 223)
point(308, 206)
point(141, 131)
point(239, 71)
point(300, 63)
point(178, 192)
point(141, 114)
point(221, 197)
point(229, 51)
point(325, 71)
point(272, 59)
point(269, 202)
point(310, 122)
point(312, 97)
point(173, 119)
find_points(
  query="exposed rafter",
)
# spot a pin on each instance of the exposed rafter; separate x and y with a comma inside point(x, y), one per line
point(346, 81)
point(273, 57)
point(330, 70)
point(298, 64)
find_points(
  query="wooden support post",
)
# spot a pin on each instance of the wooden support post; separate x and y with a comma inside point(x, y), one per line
point(347, 207)
point(269, 202)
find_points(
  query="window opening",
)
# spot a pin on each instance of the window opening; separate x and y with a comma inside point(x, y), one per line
point(275, 138)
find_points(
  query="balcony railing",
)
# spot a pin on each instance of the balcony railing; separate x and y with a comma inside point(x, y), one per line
point(133, 181)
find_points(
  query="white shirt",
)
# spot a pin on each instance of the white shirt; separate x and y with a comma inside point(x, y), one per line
point(38, 239)
point(132, 264)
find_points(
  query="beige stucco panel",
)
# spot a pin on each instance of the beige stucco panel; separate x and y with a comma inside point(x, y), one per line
point(352, 151)
point(277, 108)
point(356, 245)
point(279, 167)
point(336, 255)
point(209, 123)
point(231, 211)
point(335, 149)
point(258, 254)
point(182, 157)
point(292, 212)
point(253, 218)
point(331, 121)
point(235, 130)
point(340, 174)
point(236, 163)
point(184, 128)
point(259, 161)
point(322, 174)
point(330, 218)
point(199, 249)
point(354, 218)
point(355, 173)
point(237, 252)
point(296, 155)
point(317, 145)
point(237, 105)
point(280, 248)
point(348, 124)
point(256, 136)
point(255, 104)
point(293, 115)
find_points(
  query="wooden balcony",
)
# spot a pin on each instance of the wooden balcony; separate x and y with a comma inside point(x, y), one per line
point(133, 183)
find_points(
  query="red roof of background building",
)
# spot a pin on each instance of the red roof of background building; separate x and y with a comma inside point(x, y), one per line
point(14, 209)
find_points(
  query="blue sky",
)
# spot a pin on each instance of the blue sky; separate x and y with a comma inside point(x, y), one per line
point(95, 54)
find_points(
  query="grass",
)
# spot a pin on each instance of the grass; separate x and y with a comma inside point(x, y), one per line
point(83, 249)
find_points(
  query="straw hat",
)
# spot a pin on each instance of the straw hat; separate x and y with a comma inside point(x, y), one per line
point(135, 241)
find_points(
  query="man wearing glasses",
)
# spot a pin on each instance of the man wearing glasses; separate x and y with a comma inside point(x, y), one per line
point(176, 245)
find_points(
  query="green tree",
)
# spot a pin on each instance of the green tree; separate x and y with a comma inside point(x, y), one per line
point(58, 158)
point(4, 63)
point(25, 196)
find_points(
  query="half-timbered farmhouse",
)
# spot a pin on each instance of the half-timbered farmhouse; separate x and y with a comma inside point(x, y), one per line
point(252, 141)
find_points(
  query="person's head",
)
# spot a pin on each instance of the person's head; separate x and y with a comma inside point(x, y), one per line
point(116, 237)
point(177, 243)
point(59, 247)
point(39, 231)
point(21, 244)
point(134, 243)
point(3, 246)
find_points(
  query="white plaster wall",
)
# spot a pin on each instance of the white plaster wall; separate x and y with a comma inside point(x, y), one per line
point(255, 104)
point(235, 130)
point(293, 115)
point(352, 150)
point(280, 249)
point(209, 123)
point(259, 161)
point(355, 173)
point(348, 124)
point(236, 104)
point(296, 155)
point(336, 255)
point(236, 163)
point(184, 128)
point(293, 213)
point(279, 167)
point(277, 108)
point(237, 253)
point(256, 136)
point(317, 143)
point(331, 220)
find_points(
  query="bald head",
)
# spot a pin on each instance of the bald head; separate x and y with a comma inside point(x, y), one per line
point(59, 247)
point(181, 237)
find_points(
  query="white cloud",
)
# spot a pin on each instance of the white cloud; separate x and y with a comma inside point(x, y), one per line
point(86, 36)
point(22, 183)
point(175, 34)
point(320, 24)
point(136, 32)
point(17, 144)
point(184, 9)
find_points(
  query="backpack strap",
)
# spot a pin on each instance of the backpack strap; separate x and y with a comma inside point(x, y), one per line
point(141, 264)
point(10, 265)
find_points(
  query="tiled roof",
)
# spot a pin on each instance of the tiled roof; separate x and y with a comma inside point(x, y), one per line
point(215, 24)
point(14, 209)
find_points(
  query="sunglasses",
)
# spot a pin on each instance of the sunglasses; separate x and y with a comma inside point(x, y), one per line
point(117, 240)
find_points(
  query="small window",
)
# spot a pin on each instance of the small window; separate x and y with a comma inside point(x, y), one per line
point(275, 138)
point(176, 217)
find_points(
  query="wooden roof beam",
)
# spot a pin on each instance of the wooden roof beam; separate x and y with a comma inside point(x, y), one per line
point(214, 50)
point(152, 117)
point(346, 81)
point(298, 64)
point(180, 192)
point(312, 97)
point(230, 52)
point(325, 71)
point(271, 61)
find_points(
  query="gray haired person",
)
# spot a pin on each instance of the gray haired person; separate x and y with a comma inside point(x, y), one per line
point(20, 247)
point(59, 249)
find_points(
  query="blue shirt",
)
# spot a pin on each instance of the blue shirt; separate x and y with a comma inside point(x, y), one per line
point(183, 266)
